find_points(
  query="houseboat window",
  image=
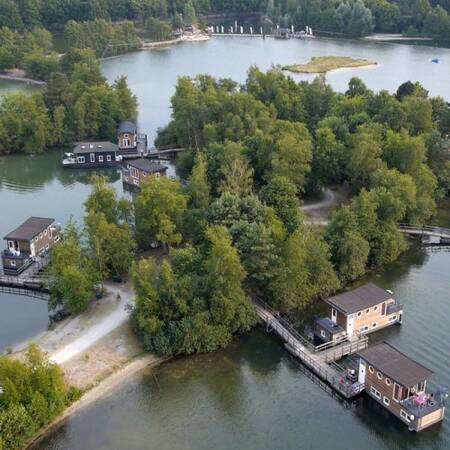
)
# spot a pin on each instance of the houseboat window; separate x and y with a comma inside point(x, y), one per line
point(144, 174)
point(421, 386)
point(388, 381)
point(81, 159)
point(12, 263)
point(56, 238)
point(375, 392)
point(47, 247)
point(92, 157)
point(375, 308)
point(323, 334)
point(136, 182)
point(379, 375)
point(404, 415)
point(367, 311)
point(40, 236)
point(108, 157)
point(392, 318)
point(359, 314)
point(386, 401)
point(45, 232)
point(374, 325)
point(397, 392)
point(371, 369)
point(100, 158)
point(157, 174)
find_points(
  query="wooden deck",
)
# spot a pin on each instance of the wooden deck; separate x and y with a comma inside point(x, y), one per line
point(30, 278)
point(435, 235)
point(320, 360)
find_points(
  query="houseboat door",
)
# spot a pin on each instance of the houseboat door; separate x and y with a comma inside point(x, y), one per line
point(350, 323)
point(362, 372)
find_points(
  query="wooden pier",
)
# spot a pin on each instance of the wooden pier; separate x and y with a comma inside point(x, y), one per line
point(319, 359)
point(30, 279)
point(430, 234)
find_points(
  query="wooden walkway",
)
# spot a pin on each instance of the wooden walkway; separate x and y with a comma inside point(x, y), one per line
point(435, 235)
point(317, 359)
point(31, 278)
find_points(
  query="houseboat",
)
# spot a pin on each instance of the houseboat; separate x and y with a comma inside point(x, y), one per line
point(283, 33)
point(92, 154)
point(135, 171)
point(399, 384)
point(131, 144)
point(34, 238)
point(360, 311)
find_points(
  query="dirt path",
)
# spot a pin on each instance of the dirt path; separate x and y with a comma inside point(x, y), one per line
point(319, 212)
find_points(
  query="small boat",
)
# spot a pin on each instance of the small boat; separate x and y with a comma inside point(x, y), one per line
point(435, 60)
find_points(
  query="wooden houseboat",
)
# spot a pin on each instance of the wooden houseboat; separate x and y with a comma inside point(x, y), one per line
point(34, 238)
point(360, 311)
point(135, 171)
point(92, 154)
point(399, 384)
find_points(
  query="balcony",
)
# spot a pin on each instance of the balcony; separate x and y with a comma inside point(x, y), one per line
point(421, 405)
point(14, 255)
point(394, 308)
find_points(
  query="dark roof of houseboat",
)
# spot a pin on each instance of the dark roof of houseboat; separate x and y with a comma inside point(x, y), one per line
point(29, 229)
point(327, 324)
point(127, 127)
point(95, 147)
point(146, 165)
point(394, 364)
point(359, 298)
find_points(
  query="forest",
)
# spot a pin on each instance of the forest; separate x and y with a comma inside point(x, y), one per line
point(346, 17)
point(76, 103)
point(235, 229)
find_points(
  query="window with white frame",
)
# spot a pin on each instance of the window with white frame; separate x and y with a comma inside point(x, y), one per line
point(375, 392)
point(108, 158)
point(371, 369)
point(100, 158)
point(392, 318)
point(374, 325)
point(404, 415)
point(379, 375)
point(92, 157)
point(359, 313)
point(388, 381)
point(386, 401)
point(12, 263)
point(375, 308)
point(367, 311)
point(323, 334)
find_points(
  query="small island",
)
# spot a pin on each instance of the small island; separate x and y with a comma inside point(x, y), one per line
point(323, 64)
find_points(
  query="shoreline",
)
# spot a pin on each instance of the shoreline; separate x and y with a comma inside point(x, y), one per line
point(100, 390)
point(5, 76)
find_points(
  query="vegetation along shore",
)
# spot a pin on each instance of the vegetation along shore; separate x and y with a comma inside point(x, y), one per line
point(324, 64)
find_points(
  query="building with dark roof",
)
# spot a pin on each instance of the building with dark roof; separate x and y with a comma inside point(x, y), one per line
point(399, 384)
point(35, 237)
point(127, 137)
point(136, 170)
point(92, 154)
point(364, 309)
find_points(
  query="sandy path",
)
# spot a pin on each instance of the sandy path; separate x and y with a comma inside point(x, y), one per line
point(113, 319)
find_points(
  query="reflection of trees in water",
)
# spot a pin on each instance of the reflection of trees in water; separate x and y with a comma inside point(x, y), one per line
point(68, 177)
point(33, 172)
point(28, 172)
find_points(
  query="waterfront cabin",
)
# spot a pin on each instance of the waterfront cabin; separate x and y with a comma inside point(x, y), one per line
point(35, 237)
point(399, 384)
point(283, 33)
point(363, 310)
point(136, 170)
point(92, 154)
point(127, 137)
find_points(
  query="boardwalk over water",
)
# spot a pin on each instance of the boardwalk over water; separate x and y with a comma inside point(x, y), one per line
point(319, 359)
point(434, 235)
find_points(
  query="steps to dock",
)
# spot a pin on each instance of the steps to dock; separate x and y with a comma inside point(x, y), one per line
point(316, 359)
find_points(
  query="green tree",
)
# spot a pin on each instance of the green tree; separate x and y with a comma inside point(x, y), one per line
point(159, 208)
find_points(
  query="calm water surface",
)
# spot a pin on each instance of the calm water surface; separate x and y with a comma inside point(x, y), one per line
point(251, 395)
point(254, 396)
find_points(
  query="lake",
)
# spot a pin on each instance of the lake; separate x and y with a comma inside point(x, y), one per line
point(252, 394)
